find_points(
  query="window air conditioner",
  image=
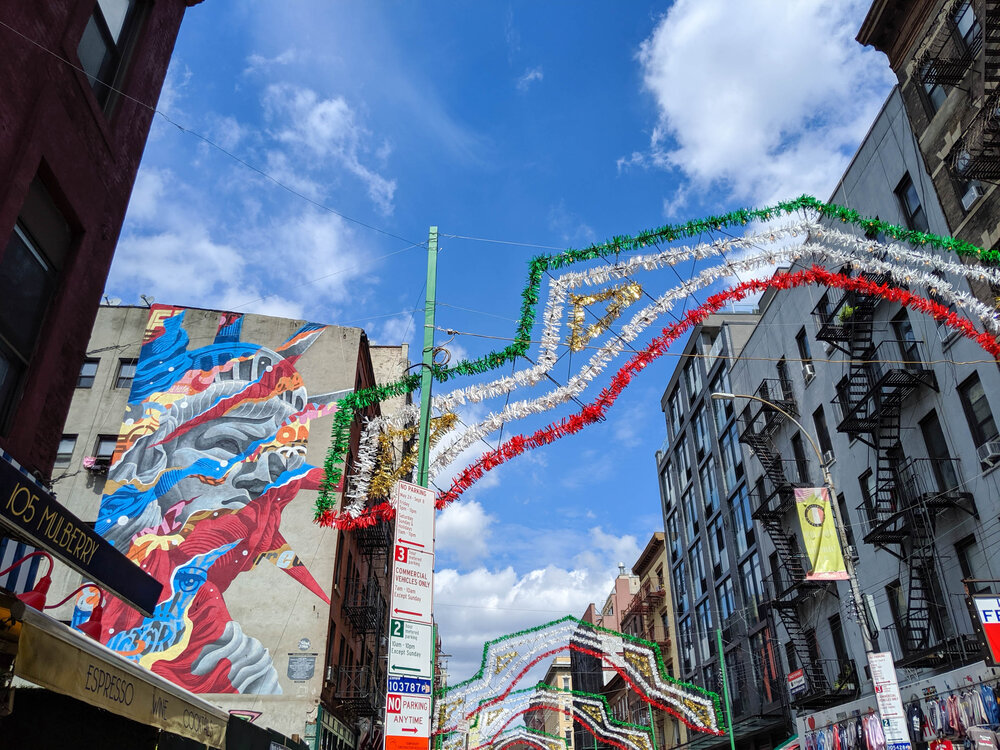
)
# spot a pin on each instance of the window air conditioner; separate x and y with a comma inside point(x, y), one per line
point(828, 457)
point(808, 372)
point(989, 453)
point(974, 193)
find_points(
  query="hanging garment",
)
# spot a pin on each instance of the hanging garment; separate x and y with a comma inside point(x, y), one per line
point(954, 718)
point(915, 721)
point(990, 702)
point(942, 744)
point(982, 738)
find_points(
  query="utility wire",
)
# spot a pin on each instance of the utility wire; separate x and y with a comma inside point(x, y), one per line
point(210, 142)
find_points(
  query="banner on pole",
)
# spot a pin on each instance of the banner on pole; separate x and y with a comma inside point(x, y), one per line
point(819, 535)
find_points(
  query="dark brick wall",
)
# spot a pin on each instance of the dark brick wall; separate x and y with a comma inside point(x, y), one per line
point(52, 125)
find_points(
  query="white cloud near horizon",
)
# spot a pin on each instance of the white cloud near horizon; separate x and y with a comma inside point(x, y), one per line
point(478, 605)
point(766, 99)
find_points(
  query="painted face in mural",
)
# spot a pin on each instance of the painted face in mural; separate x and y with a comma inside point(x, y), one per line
point(211, 451)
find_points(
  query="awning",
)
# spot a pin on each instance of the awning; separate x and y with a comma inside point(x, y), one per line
point(56, 657)
point(789, 744)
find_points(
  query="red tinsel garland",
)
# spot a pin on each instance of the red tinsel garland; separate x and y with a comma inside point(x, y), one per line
point(595, 410)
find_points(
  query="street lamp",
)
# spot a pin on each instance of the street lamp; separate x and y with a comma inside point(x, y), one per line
point(852, 577)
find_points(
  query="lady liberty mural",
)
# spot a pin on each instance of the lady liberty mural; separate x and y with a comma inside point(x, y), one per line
point(211, 451)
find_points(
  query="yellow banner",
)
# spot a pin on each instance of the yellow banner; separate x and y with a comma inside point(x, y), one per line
point(820, 535)
point(63, 667)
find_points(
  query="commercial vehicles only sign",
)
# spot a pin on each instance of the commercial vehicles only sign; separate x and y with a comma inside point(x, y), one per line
point(412, 584)
point(411, 631)
point(890, 704)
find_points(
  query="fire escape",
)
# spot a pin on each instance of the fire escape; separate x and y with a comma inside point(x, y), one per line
point(961, 30)
point(906, 495)
point(639, 619)
point(827, 681)
point(361, 688)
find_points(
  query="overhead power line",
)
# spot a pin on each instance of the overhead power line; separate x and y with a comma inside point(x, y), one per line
point(263, 173)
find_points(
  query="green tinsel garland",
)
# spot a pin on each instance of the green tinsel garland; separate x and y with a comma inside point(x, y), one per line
point(349, 406)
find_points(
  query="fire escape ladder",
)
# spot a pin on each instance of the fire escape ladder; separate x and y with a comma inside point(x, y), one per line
point(919, 596)
point(991, 44)
point(815, 675)
point(885, 464)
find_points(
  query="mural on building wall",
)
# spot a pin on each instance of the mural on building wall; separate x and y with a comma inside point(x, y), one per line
point(211, 451)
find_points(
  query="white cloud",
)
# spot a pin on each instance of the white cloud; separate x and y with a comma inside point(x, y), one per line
point(274, 263)
point(394, 331)
point(464, 530)
point(531, 75)
point(479, 605)
point(328, 129)
point(766, 98)
point(257, 62)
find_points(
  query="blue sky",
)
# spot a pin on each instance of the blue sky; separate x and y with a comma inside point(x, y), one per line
point(551, 124)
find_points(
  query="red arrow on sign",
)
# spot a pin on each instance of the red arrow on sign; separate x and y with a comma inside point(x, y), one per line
point(414, 730)
point(410, 541)
point(407, 612)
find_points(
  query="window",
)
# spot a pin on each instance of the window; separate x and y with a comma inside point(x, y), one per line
point(701, 434)
point(801, 464)
point(697, 560)
point(936, 95)
point(732, 458)
point(669, 493)
point(942, 464)
point(968, 26)
point(29, 276)
point(742, 521)
point(822, 432)
point(709, 487)
point(687, 647)
point(867, 483)
point(717, 547)
point(690, 516)
point(751, 585)
point(802, 344)
point(727, 600)
point(843, 397)
point(897, 606)
point(692, 378)
point(973, 563)
point(673, 414)
point(908, 348)
point(105, 447)
point(977, 410)
point(909, 202)
point(64, 454)
point(765, 666)
point(88, 371)
point(845, 519)
point(703, 617)
point(723, 408)
point(126, 372)
point(565, 682)
point(104, 45)
point(680, 589)
point(683, 462)
point(673, 537)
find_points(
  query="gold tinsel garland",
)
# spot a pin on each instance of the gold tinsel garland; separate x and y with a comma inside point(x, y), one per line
point(387, 473)
point(622, 296)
